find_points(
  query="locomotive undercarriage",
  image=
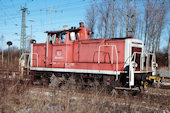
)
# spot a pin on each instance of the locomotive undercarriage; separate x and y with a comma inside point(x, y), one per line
point(80, 81)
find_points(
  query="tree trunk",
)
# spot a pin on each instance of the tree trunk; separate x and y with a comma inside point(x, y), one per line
point(105, 33)
point(127, 17)
point(121, 23)
point(113, 22)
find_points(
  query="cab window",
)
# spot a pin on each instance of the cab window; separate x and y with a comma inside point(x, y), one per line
point(50, 38)
point(63, 36)
point(57, 38)
point(72, 36)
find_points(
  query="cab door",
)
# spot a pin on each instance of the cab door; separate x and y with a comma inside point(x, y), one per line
point(137, 57)
point(59, 50)
point(58, 55)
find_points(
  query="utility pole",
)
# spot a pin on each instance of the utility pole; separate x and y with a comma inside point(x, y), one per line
point(9, 43)
point(51, 10)
point(31, 31)
point(29, 45)
point(31, 26)
point(2, 39)
point(169, 53)
point(23, 32)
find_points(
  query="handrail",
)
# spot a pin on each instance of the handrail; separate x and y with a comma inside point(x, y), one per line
point(23, 55)
point(28, 60)
point(113, 46)
point(153, 59)
point(134, 55)
point(37, 57)
point(147, 55)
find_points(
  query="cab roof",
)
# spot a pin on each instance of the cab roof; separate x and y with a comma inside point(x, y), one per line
point(61, 31)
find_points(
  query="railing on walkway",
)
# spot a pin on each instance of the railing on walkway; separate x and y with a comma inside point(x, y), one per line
point(113, 48)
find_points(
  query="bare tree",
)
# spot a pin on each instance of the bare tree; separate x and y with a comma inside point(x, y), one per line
point(162, 9)
point(146, 18)
point(104, 9)
point(113, 23)
point(100, 28)
point(91, 16)
point(121, 21)
point(107, 16)
point(155, 13)
point(127, 18)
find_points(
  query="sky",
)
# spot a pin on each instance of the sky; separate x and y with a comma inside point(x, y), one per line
point(46, 15)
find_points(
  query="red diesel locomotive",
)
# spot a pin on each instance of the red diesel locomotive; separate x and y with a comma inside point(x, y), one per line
point(72, 53)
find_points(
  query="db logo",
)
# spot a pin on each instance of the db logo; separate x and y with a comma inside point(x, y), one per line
point(58, 53)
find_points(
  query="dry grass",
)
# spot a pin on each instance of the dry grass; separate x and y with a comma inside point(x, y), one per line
point(22, 98)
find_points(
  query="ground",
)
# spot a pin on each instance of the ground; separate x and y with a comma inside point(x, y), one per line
point(18, 97)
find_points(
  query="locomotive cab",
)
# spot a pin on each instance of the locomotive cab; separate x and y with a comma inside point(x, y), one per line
point(81, 33)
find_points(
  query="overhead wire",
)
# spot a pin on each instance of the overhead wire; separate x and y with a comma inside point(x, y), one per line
point(12, 20)
point(38, 12)
point(33, 13)
point(69, 6)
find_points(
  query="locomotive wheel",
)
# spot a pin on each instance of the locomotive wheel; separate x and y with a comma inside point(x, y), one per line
point(44, 79)
point(109, 83)
point(71, 83)
point(62, 83)
point(96, 85)
point(144, 86)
